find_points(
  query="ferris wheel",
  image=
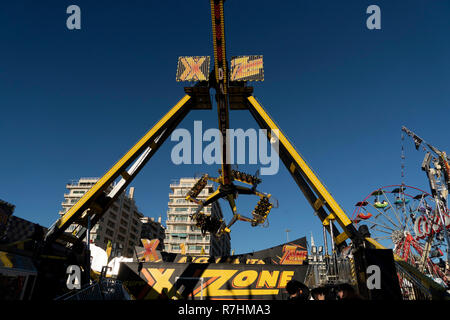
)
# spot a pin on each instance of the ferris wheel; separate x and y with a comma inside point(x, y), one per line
point(407, 220)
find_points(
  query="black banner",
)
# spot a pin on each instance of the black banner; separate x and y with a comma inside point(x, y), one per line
point(208, 281)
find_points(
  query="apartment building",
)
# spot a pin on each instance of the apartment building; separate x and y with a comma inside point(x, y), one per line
point(120, 224)
point(182, 230)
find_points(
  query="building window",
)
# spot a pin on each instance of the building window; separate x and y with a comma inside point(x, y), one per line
point(120, 238)
point(178, 218)
point(122, 230)
point(109, 232)
point(111, 224)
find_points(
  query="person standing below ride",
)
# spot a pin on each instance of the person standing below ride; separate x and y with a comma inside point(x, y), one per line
point(297, 291)
point(346, 292)
point(318, 293)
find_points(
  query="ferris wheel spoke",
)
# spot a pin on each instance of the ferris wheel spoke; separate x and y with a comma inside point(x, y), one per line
point(379, 224)
point(422, 202)
point(414, 208)
point(382, 238)
point(406, 215)
point(381, 231)
point(385, 216)
point(393, 208)
point(410, 222)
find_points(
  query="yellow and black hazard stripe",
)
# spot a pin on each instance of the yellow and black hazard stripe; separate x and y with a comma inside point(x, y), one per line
point(221, 74)
point(218, 29)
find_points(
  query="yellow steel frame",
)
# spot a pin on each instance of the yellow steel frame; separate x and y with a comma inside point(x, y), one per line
point(314, 190)
point(307, 180)
point(320, 199)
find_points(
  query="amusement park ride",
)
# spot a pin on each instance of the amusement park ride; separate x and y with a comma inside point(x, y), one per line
point(230, 80)
point(412, 221)
point(232, 93)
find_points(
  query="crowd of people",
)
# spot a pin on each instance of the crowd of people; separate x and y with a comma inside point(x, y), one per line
point(300, 292)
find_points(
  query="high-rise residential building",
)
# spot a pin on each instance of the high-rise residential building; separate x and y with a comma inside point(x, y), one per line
point(120, 224)
point(152, 229)
point(181, 229)
point(13, 229)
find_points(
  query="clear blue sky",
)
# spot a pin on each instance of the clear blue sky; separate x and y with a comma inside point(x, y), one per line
point(73, 102)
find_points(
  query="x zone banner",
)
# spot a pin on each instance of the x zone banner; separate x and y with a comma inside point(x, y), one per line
point(257, 275)
point(201, 281)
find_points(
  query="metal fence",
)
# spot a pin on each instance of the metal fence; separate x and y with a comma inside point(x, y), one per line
point(331, 272)
point(413, 284)
point(105, 289)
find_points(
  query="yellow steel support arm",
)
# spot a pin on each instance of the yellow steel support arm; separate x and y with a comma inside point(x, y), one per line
point(90, 199)
point(313, 189)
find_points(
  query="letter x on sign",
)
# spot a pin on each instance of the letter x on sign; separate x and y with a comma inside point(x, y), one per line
point(149, 253)
point(193, 69)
